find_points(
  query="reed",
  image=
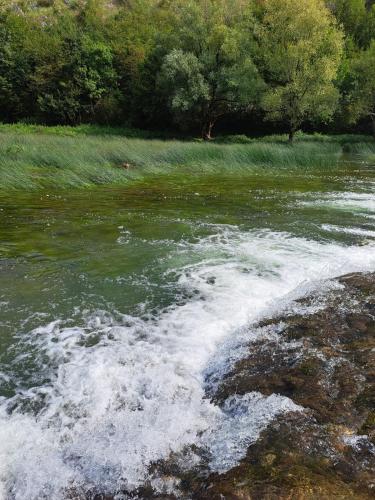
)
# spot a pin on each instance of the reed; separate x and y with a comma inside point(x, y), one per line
point(35, 157)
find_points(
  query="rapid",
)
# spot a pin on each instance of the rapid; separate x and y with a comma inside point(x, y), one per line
point(120, 306)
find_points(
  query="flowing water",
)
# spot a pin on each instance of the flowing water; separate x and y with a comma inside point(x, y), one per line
point(116, 302)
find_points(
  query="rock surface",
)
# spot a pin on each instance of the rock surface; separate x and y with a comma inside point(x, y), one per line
point(324, 360)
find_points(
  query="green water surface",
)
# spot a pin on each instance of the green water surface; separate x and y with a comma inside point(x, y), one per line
point(114, 248)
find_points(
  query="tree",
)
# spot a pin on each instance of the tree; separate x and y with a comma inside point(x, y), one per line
point(16, 67)
point(71, 80)
point(138, 52)
point(209, 72)
point(361, 97)
point(300, 48)
point(357, 18)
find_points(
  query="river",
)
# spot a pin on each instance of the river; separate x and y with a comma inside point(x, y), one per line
point(115, 304)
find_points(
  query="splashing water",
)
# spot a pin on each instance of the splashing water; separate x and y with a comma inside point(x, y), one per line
point(113, 308)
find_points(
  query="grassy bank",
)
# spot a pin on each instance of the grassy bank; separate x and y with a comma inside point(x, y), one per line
point(35, 157)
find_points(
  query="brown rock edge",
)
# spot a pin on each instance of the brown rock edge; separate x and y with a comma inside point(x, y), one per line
point(324, 361)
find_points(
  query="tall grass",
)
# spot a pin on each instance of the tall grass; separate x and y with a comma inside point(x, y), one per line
point(85, 129)
point(31, 159)
point(363, 148)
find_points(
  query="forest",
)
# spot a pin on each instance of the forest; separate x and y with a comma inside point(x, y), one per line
point(194, 67)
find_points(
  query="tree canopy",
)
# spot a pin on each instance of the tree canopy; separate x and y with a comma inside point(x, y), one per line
point(361, 98)
point(300, 52)
point(188, 64)
point(210, 72)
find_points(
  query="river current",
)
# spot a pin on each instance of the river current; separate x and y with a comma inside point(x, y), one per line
point(117, 303)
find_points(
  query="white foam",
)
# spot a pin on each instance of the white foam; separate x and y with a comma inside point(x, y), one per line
point(349, 230)
point(244, 417)
point(348, 201)
point(112, 409)
point(358, 442)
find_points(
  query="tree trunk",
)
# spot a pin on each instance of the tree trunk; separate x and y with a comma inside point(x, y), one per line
point(207, 130)
point(373, 126)
point(293, 127)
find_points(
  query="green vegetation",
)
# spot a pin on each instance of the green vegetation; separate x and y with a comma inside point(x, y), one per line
point(211, 73)
point(362, 91)
point(33, 157)
point(182, 66)
point(302, 61)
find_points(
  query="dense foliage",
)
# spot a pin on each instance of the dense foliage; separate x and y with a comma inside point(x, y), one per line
point(189, 63)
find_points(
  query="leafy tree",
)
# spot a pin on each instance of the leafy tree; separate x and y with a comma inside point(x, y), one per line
point(138, 52)
point(361, 98)
point(358, 21)
point(351, 15)
point(209, 72)
point(151, 62)
point(300, 51)
point(357, 18)
point(72, 77)
point(16, 68)
point(55, 64)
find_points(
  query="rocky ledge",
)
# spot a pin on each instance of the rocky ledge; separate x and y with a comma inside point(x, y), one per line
point(323, 358)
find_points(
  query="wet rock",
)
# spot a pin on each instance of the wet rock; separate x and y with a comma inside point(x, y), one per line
point(325, 362)
point(294, 458)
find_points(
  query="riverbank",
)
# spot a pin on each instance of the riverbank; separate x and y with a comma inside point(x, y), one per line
point(35, 157)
